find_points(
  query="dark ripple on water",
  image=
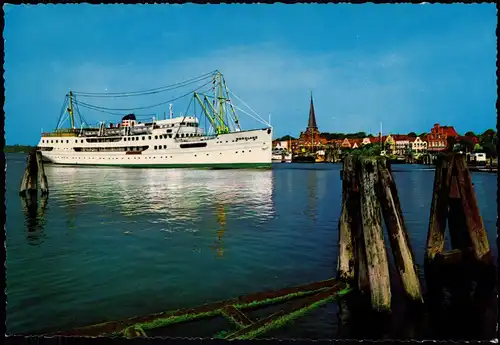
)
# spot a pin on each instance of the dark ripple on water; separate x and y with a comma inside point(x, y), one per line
point(114, 243)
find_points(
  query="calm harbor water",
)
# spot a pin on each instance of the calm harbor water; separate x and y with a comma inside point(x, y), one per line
point(115, 243)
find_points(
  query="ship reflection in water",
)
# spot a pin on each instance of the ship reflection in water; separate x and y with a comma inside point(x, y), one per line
point(221, 219)
point(174, 200)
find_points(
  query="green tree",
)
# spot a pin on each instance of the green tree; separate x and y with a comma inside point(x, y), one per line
point(412, 134)
point(451, 141)
point(487, 136)
point(286, 137)
point(490, 150)
point(467, 144)
point(488, 142)
point(367, 150)
point(423, 134)
point(17, 148)
point(469, 134)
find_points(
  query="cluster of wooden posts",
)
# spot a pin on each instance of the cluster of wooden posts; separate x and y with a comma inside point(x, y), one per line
point(34, 176)
point(369, 191)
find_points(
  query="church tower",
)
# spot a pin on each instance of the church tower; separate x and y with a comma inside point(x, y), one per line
point(312, 127)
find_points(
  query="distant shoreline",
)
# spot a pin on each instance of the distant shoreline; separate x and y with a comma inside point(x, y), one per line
point(17, 148)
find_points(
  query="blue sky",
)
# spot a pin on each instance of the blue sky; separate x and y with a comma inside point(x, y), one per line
point(408, 66)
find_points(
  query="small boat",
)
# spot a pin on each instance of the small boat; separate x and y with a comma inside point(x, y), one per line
point(320, 156)
point(396, 160)
point(303, 159)
point(281, 155)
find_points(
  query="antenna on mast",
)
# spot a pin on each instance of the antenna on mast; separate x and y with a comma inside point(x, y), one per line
point(170, 110)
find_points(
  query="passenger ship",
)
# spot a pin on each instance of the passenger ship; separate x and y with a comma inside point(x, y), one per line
point(174, 142)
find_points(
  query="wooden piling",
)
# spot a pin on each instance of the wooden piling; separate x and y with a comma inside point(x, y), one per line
point(347, 222)
point(42, 178)
point(400, 243)
point(376, 256)
point(457, 224)
point(29, 181)
point(439, 207)
point(474, 222)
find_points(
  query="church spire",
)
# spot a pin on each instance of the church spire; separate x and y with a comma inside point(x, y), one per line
point(311, 124)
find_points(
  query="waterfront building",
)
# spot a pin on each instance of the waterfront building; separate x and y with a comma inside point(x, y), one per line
point(282, 144)
point(437, 138)
point(346, 144)
point(402, 143)
point(356, 143)
point(418, 145)
point(389, 144)
point(367, 141)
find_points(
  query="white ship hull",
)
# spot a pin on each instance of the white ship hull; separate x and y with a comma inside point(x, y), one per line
point(252, 149)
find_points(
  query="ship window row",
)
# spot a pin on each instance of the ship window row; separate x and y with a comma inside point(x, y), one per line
point(121, 157)
point(240, 138)
point(112, 149)
point(159, 147)
point(103, 140)
point(129, 138)
point(246, 138)
point(44, 148)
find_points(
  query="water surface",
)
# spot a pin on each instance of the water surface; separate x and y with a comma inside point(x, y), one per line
point(115, 243)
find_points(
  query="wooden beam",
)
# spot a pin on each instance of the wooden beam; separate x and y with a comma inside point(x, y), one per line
point(29, 181)
point(474, 221)
point(376, 256)
point(236, 316)
point(42, 178)
point(398, 236)
point(347, 222)
point(439, 207)
point(111, 327)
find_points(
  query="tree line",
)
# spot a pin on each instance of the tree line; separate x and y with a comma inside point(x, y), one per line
point(17, 148)
point(487, 141)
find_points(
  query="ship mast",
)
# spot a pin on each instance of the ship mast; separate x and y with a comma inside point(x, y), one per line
point(70, 110)
point(381, 136)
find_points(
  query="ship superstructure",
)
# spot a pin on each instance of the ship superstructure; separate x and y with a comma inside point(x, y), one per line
point(177, 141)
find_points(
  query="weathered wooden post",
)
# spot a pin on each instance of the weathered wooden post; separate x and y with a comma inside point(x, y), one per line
point(466, 271)
point(34, 171)
point(473, 219)
point(42, 178)
point(400, 243)
point(352, 255)
point(439, 207)
point(376, 256)
point(347, 222)
point(29, 181)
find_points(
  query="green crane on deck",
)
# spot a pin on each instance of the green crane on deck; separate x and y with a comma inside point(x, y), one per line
point(217, 117)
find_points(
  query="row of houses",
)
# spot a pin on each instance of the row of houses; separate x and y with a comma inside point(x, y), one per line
point(399, 144)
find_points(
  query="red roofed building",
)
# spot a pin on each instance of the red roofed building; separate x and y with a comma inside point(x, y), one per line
point(437, 138)
point(356, 143)
point(402, 143)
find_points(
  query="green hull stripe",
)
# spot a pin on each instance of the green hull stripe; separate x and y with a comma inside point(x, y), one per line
point(195, 166)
